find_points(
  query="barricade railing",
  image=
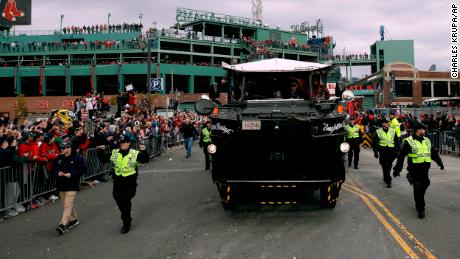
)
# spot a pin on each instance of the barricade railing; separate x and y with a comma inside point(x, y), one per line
point(450, 142)
point(94, 167)
point(23, 184)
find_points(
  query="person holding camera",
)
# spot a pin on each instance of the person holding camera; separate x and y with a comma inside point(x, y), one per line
point(126, 161)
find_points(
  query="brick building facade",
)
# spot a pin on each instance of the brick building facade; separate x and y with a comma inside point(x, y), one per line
point(412, 86)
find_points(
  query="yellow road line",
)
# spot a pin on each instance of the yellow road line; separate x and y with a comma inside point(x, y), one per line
point(398, 223)
point(385, 223)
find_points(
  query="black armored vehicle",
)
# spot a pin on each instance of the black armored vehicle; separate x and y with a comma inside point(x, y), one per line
point(279, 132)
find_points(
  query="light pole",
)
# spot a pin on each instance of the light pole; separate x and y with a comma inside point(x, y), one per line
point(108, 18)
point(62, 19)
point(140, 17)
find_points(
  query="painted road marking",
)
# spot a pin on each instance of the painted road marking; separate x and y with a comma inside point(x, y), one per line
point(396, 221)
point(385, 223)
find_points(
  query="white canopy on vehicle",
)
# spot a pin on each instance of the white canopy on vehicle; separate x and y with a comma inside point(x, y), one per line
point(275, 65)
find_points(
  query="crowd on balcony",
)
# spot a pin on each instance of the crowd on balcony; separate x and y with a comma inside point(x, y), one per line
point(347, 57)
point(103, 28)
point(265, 44)
point(74, 45)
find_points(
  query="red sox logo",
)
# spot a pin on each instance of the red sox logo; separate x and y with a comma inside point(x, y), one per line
point(11, 11)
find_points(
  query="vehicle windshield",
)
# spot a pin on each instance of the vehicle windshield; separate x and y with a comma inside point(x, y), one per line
point(260, 86)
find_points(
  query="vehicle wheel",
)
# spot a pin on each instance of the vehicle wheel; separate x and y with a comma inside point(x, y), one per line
point(227, 195)
point(329, 193)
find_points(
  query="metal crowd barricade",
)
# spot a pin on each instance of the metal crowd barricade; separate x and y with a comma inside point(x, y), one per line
point(450, 142)
point(15, 188)
point(435, 138)
point(22, 184)
point(93, 166)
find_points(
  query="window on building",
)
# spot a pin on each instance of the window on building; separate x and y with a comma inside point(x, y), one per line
point(454, 88)
point(426, 89)
point(440, 89)
point(403, 88)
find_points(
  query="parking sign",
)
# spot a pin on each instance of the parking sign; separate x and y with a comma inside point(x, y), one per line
point(156, 84)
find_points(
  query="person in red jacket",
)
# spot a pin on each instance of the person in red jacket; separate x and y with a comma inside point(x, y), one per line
point(34, 152)
point(48, 150)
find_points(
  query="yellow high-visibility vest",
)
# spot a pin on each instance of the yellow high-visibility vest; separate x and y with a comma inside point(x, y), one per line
point(353, 132)
point(124, 166)
point(206, 135)
point(421, 151)
point(395, 125)
point(387, 139)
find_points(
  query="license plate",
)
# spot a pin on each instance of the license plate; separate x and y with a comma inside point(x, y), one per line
point(251, 124)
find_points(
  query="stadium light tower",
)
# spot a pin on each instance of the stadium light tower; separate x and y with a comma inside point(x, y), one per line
point(257, 9)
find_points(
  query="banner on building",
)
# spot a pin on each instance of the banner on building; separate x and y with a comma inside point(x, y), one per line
point(331, 88)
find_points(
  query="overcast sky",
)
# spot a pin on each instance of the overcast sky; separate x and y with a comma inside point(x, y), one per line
point(354, 24)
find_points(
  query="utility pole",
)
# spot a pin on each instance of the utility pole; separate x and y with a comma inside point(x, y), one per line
point(149, 60)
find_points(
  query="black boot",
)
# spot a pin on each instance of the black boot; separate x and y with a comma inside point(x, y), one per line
point(125, 228)
point(421, 214)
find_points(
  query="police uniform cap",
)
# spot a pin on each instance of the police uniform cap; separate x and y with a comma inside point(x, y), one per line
point(418, 126)
point(125, 139)
point(384, 120)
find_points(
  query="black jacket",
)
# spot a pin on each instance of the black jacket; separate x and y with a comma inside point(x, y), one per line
point(406, 149)
point(73, 164)
point(188, 130)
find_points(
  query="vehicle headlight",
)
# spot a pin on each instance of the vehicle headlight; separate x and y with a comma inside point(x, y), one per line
point(212, 149)
point(345, 147)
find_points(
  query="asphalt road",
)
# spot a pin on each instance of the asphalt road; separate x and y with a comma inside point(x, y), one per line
point(177, 214)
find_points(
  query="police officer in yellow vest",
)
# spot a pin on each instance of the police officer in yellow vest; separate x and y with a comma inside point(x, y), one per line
point(420, 152)
point(353, 138)
point(385, 146)
point(205, 140)
point(394, 123)
point(125, 161)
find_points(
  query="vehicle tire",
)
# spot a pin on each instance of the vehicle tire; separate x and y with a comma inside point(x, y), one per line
point(329, 193)
point(227, 195)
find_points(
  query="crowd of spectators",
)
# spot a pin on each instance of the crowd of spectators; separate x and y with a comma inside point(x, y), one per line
point(103, 28)
point(135, 43)
point(28, 144)
point(364, 56)
point(436, 121)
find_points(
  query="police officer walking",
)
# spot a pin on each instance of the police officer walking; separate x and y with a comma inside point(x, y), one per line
point(394, 123)
point(386, 146)
point(354, 139)
point(125, 161)
point(420, 152)
point(205, 140)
